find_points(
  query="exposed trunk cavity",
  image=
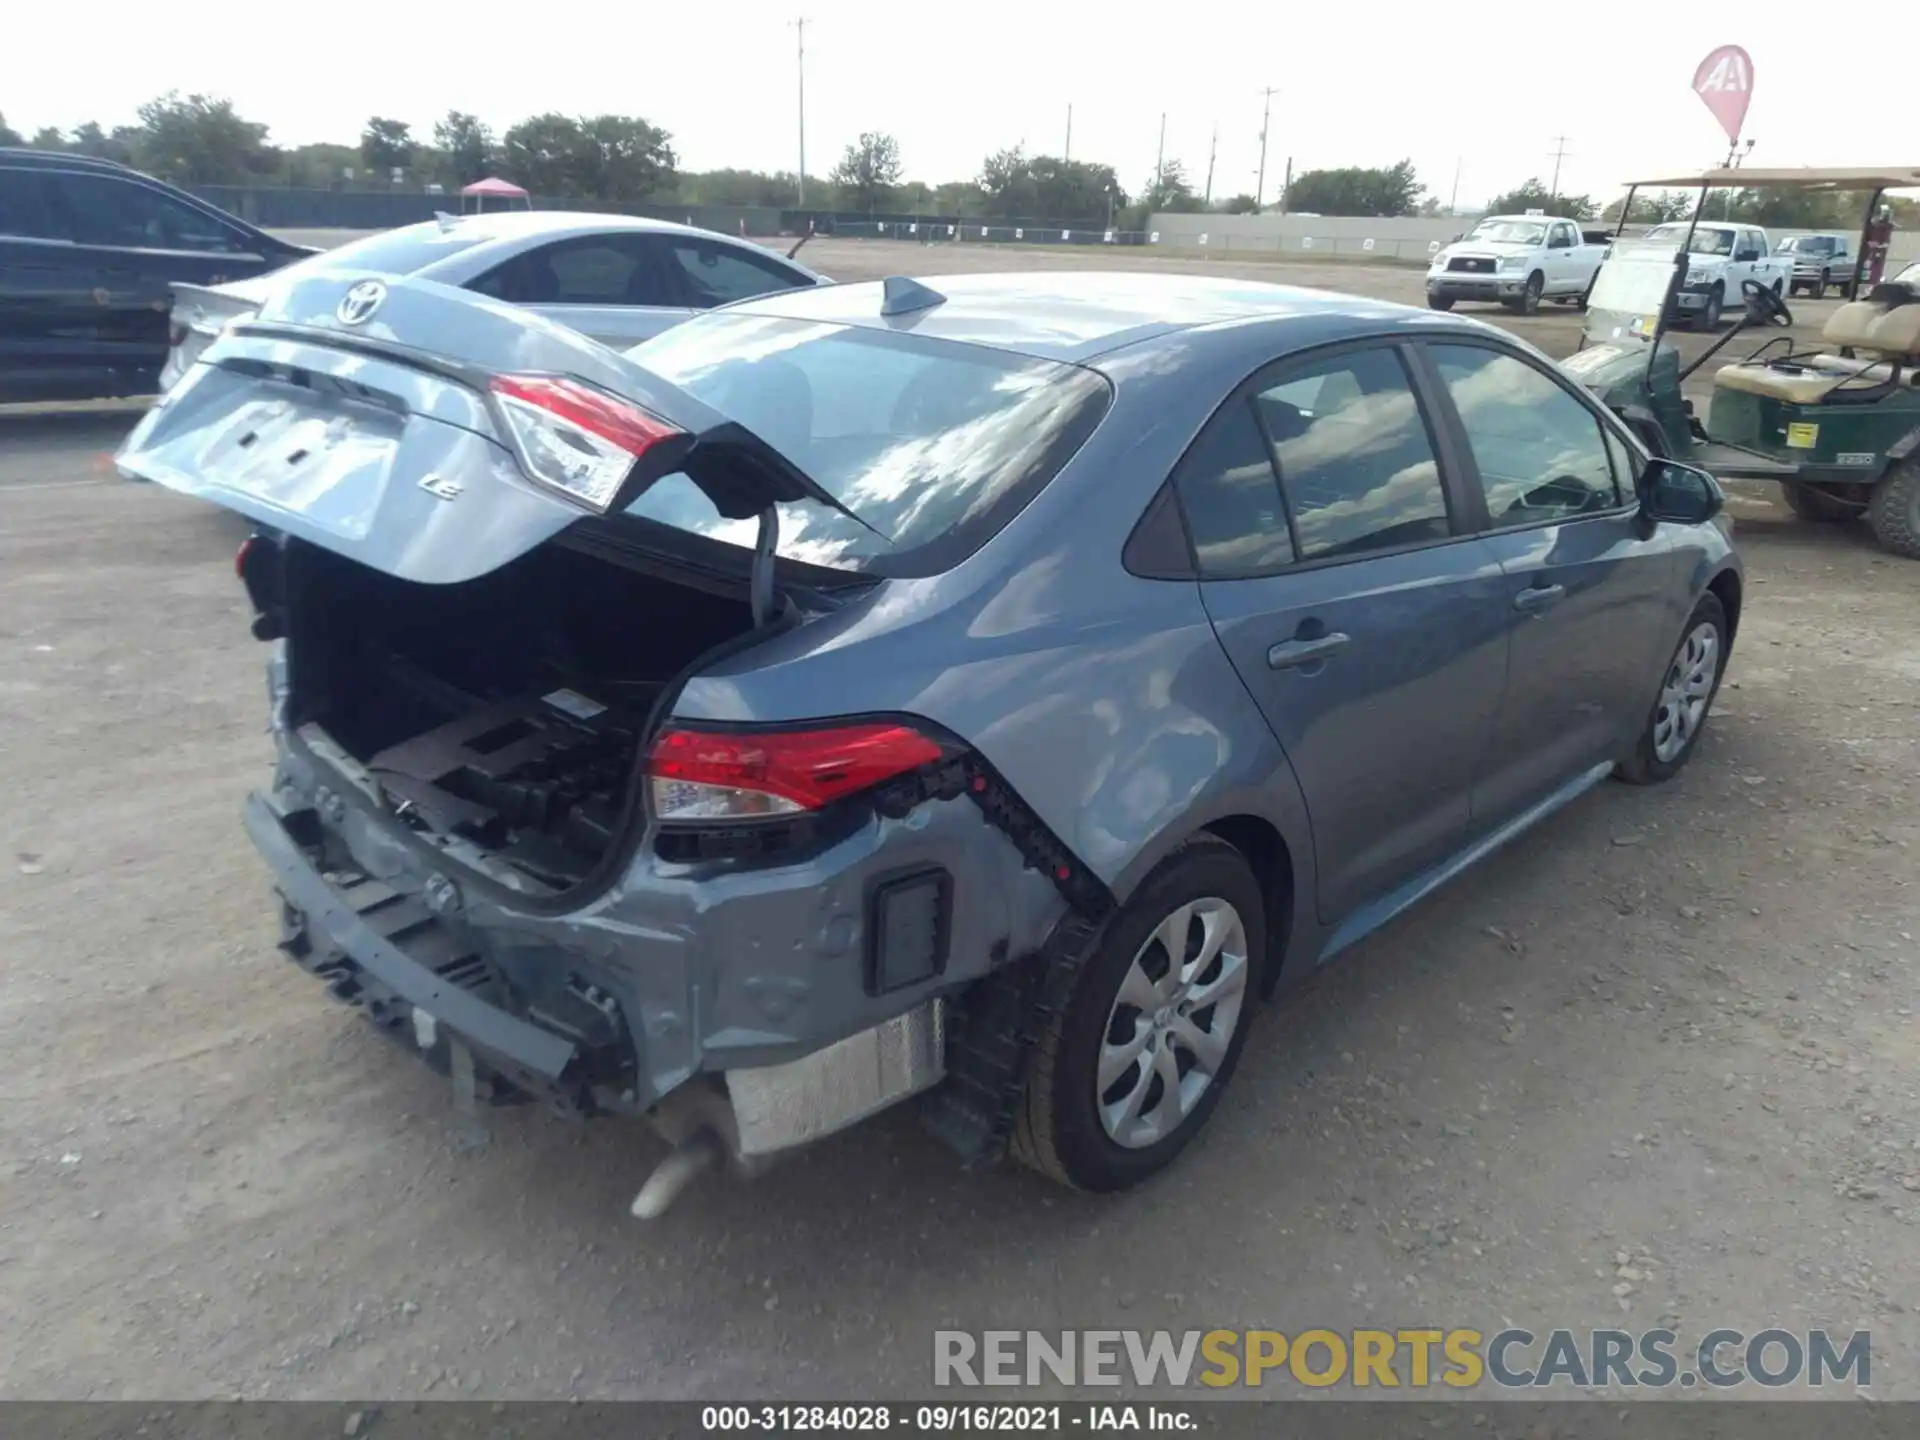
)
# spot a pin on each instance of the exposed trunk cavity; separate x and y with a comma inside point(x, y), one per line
point(509, 711)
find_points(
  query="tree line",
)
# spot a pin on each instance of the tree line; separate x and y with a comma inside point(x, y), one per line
point(623, 159)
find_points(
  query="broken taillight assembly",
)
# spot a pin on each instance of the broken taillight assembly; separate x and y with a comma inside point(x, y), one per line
point(574, 438)
point(704, 776)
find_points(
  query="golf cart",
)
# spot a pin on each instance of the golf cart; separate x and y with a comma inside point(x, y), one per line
point(1837, 425)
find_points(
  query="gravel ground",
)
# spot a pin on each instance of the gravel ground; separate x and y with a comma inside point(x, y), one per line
point(1653, 1063)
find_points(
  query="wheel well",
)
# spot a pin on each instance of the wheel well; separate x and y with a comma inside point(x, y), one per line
point(1726, 588)
point(1266, 852)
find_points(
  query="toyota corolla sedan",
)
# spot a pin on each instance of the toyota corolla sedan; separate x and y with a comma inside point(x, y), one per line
point(617, 279)
point(980, 695)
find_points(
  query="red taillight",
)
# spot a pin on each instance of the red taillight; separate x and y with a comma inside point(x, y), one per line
point(740, 775)
point(240, 555)
point(575, 438)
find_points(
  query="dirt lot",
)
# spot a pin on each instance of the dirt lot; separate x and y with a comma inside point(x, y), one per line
point(1655, 1062)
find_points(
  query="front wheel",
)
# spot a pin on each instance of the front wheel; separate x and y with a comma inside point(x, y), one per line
point(1894, 511)
point(1530, 295)
point(1134, 1064)
point(1826, 279)
point(1439, 302)
point(1710, 316)
point(1687, 688)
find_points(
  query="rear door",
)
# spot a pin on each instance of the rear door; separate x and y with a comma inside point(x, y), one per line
point(618, 288)
point(47, 311)
point(1367, 625)
point(134, 240)
point(1591, 591)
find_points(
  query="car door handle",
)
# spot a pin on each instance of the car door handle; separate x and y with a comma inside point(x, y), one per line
point(1536, 598)
point(1290, 654)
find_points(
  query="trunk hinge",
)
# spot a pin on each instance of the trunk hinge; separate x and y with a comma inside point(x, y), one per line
point(761, 585)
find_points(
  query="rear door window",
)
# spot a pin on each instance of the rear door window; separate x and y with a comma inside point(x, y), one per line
point(608, 270)
point(122, 214)
point(1356, 462)
point(24, 208)
point(1232, 500)
point(713, 272)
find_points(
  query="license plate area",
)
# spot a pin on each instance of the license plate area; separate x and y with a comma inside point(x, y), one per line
point(328, 460)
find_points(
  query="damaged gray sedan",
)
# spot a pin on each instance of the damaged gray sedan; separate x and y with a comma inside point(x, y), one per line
point(870, 693)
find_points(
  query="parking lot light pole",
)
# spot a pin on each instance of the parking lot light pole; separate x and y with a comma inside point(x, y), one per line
point(800, 60)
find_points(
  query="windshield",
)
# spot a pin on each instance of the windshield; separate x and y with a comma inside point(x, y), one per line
point(1707, 240)
point(934, 446)
point(1807, 245)
point(1629, 293)
point(1509, 232)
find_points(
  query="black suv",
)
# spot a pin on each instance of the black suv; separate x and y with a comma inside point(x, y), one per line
point(88, 249)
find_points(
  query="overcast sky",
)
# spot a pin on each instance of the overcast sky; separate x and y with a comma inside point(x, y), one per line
point(1485, 86)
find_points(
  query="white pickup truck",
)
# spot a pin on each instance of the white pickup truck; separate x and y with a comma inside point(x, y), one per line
point(1517, 260)
point(1723, 255)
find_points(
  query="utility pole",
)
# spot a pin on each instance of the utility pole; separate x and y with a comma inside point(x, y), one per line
point(1260, 183)
point(1213, 148)
point(1160, 155)
point(1067, 153)
point(1559, 153)
point(1453, 200)
point(800, 57)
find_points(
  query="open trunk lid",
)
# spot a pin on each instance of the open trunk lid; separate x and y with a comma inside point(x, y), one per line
point(386, 420)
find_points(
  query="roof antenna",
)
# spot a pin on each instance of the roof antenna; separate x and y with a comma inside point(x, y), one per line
point(901, 296)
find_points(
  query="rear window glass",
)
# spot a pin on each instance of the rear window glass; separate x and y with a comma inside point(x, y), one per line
point(399, 252)
point(933, 445)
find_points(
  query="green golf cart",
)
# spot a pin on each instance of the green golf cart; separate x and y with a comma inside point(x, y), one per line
point(1836, 425)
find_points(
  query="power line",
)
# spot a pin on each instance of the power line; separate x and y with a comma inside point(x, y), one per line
point(1260, 183)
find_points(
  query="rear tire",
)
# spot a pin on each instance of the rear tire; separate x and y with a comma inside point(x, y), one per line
point(1439, 302)
point(1685, 696)
point(1810, 502)
point(1067, 1127)
point(1894, 511)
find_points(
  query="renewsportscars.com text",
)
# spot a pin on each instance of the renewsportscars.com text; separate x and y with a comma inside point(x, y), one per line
point(1412, 1359)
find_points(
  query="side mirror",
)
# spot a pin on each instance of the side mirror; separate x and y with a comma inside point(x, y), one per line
point(1679, 494)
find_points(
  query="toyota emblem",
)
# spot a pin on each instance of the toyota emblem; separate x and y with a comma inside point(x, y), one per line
point(359, 303)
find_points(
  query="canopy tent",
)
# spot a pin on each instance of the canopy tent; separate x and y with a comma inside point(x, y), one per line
point(1875, 181)
point(1890, 177)
point(505, 194)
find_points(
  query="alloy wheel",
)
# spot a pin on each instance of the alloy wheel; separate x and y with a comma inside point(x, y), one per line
point(1171, 1026)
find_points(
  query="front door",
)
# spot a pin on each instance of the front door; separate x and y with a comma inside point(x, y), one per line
point(1367, 627)
point(1590, 589)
